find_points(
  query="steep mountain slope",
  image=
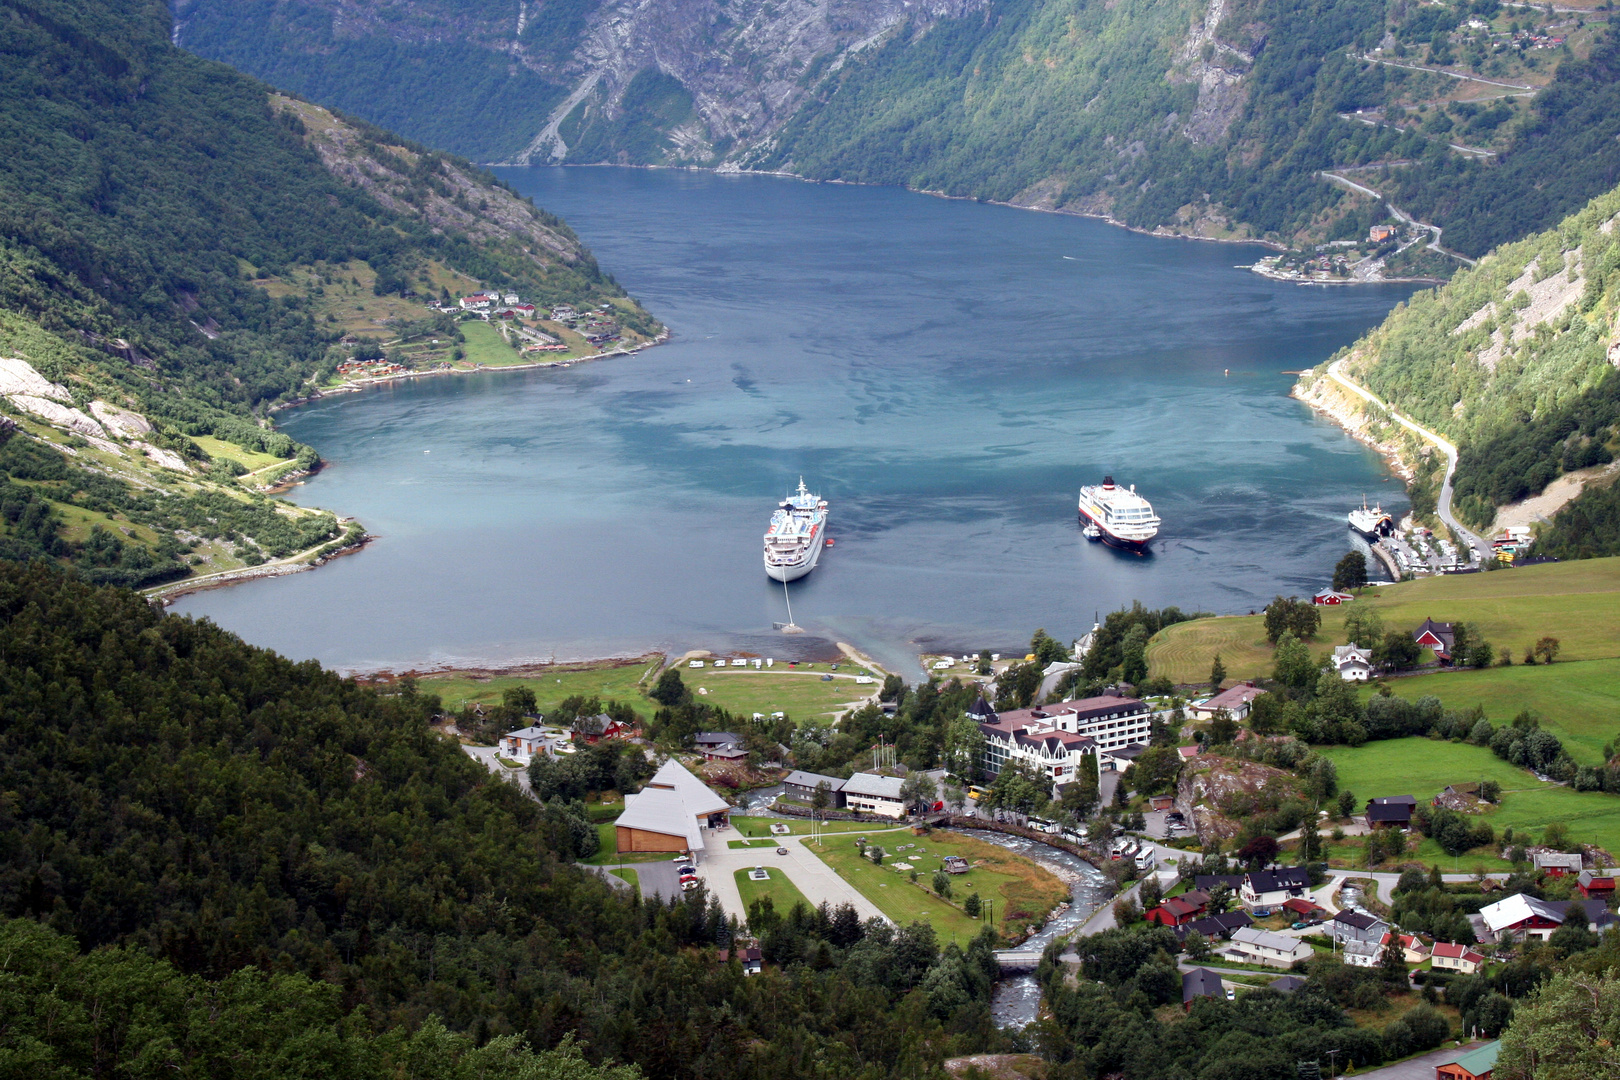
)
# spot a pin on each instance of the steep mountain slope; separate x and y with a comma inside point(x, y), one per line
point(1207, 117)
point(1517, 362)
point(168, 232)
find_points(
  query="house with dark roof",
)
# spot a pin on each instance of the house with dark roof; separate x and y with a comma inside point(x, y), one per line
point(1439, 636)
point(1391, 811)
point(1207, 882)
point(1270, 888)
point(802, 786)
point(1287, 984)
point(1214, 927)
point(1357, 926)
point(1197, 983)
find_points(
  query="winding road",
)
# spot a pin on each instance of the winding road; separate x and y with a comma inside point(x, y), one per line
point(1479, 549)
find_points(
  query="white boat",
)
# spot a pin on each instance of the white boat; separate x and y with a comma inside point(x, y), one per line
point(1374, 524)
point(1122, 517)
point(797, 533)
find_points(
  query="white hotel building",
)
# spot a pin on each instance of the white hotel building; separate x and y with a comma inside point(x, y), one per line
point(1056, 737)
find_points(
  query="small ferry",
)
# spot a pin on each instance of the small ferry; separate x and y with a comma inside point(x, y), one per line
point(1373, 524)
point(1122, 518)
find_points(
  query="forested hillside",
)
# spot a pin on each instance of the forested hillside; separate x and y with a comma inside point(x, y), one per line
point(1515, 361)
point(177, 794)
point(168, 228)
point(1206, 117)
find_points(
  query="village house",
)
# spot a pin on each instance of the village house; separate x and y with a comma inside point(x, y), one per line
point(1286, 984)
point(1391, 811)
point(1214, 927)
point(1476, 1064)
point(873, 794)
point(522, 745)
point(1379, 233)
point(801, 786)
point(1596, 884)
point(1197, 983)
point(1264, 947)
point(1441, 637)
point(1270, 888)
point(1447, 956)
point(1303, 908)
point(1332, 598)
point(750, 957)
point(1177, 910)
point(1187, 753)
point(1353, 663)
point(1365, 954)
point(1470, 788)
point(1350, 926)
point(1208, 882)
point(670, 813)
point(1236, 700)
point(1557, 863)
point(1413, 950)
point(1522, 916)
point(1055, 738)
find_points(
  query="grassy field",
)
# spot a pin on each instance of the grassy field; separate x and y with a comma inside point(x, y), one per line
point(800, 694)
point(1576, 602)
point(629, 875)
point(1021, 892)
point(1422, 767)
point(753, 826)
point(1579, 702)
point(783, 893)
point(484, 345)
point(616, 681)
point(251, 460)
point(607, 852)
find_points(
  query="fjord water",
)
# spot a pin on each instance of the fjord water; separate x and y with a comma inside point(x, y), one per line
point(947, 374)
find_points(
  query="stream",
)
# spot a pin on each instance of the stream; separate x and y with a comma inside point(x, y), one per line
point(1016, 998)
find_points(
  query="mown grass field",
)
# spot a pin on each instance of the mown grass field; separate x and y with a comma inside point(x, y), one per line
point(616, 681)
point(1021, 892)
point(484, 345)
point(753, 826)
point(1579, 702)
point(800, 694)
point(1576, 602)
point(252, 460)
point(1423, 767)
point(783, 893)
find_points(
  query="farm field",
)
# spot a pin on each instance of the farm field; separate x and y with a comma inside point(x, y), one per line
point(616, 681)
point(1576, 602)
point(1579, 702)
point(484, 345)
point(1021, 892)
point(1423, 767)
point(783, 893)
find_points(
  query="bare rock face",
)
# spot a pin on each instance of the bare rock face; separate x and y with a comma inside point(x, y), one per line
point(121, 422)
point(1216, 793)
point(19, 377)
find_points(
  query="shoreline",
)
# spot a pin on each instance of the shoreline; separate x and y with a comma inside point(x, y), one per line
point(166, 594)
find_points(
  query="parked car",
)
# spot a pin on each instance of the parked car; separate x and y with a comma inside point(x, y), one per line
point(689, 884)
point(781, 851)
point(1231, 994)
point(1301, 926)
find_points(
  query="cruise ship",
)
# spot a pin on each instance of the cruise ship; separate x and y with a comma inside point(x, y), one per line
point(1121, 517)
point(797, 534)
point(1374, 524)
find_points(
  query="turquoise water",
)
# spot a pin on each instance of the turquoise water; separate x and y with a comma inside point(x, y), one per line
point(947, 374)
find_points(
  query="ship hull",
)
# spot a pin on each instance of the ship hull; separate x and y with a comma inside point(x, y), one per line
point(1112, 539)
point(797, 570)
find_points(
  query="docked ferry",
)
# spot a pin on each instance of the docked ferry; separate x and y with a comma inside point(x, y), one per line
point(1374, 524)
point(797, 533)
point(1121, 517)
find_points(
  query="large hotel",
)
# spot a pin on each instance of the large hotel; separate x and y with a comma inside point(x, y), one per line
point(1056, 737)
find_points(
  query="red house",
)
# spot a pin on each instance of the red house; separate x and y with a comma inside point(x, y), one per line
point(1301, 907)
point(1596, 884)
point(1438, 636)
point(1332, 598)
point(1177, 910)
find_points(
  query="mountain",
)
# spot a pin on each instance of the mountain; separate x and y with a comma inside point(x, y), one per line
point(182, 250)
point(1517, 362)
point(1198, 117)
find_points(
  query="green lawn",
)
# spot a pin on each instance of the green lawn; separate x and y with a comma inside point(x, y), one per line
point(607, 852)
point(1579, 702)
point(486, 346)
point(1576, 602)
point(783, 893)
point(617, 681)
point(629, 875)
point(1021, 892)
point(757, 826)
point(1422, 767)
point(800, 694)
point(252, 460)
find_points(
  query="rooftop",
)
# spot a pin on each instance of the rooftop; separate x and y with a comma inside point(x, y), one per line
point(874, 786)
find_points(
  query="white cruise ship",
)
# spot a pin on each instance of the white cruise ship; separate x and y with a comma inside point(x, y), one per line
point(797, 534)
point(1122, 518)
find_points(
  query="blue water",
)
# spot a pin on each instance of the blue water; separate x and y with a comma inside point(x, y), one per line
point(947, 374)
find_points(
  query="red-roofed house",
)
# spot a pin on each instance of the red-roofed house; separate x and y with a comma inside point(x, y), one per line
point(1332, 597)
point(1178, 910)
point(1412, 949)
point(1449, 957)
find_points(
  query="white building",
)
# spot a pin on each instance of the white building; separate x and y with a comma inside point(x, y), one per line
point(1353, 663)
point(670, 813)
point(1265, 947)
point(873, 794)
point(1056, 737)
point(523, 745)
point(1363, 953)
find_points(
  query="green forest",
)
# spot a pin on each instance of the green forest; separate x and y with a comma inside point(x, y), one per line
point(1525, 402)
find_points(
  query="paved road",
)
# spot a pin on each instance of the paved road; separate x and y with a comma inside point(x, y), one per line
point(1419, 1068)
point(486, 755)
point(1480, 549)
point(812, 877)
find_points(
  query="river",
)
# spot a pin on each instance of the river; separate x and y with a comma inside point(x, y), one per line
point(947, 374)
